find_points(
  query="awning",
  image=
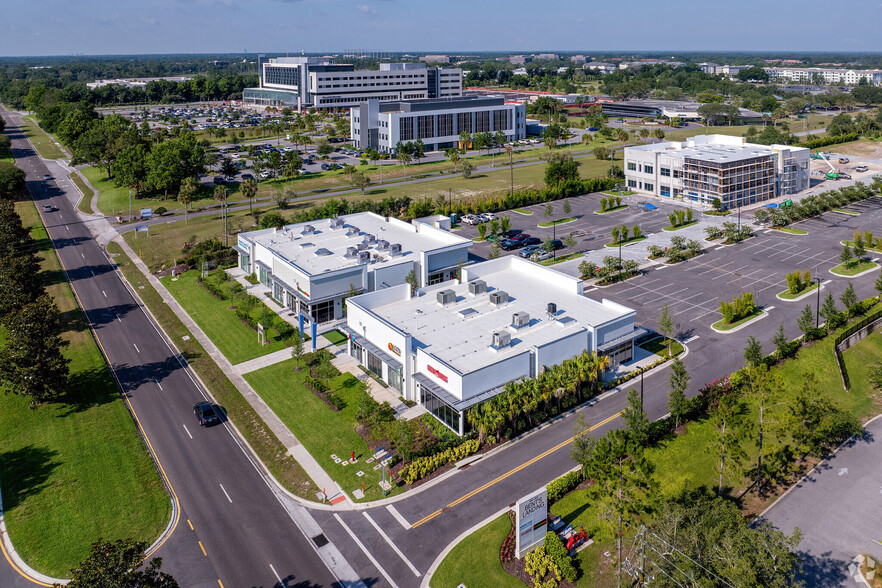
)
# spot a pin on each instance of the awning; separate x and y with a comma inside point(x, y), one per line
point(450, 399)
point(374, 350)
point(240, 250)
point(636, 333)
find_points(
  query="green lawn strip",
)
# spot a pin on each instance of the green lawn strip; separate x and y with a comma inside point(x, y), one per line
point(559, 221)
point(790, 231)
point(260, 438)
point(475, 560)
point(670, 228)
point(479, 239)
point(851, 244)
point(614, 193)
point(849, 212)
point(659, 346)
point(523, 211)
point(71, 471)
point(234, 338)
point(722, 326)
point(7, 160)
point(842, 270)
point(786, 295)
point(322, 430)
point(335, 337)
point(85, 204)
point(43, 143)
point(114, 200)
point(561, 258)
point(630, 241)
point(609, 210)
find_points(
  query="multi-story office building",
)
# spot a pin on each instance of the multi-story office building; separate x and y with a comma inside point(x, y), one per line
point(706, 167)
point(300, 82)
point(814, 75)
point(437, 123)
point(311, 267)
point(455, 345)
point(666, 108)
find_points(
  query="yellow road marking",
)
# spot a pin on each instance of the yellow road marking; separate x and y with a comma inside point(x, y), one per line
point(514, 470)
point(221, 583)
point(191, 525)
point(202, 548)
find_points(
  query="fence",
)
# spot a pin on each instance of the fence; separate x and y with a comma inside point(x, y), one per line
point(868, 323)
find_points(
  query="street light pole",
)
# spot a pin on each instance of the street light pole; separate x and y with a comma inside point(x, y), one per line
point(130, 206)
point(818, 306)
point(620, 259)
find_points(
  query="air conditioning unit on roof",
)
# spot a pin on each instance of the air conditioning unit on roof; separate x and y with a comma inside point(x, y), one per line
point(520, 319)
point(351, 231)
point(446, 297)
point(498, 297)
point(500, 339)
point(381, 244)
point(395, 249)
point(364, 256)
point(477, 287)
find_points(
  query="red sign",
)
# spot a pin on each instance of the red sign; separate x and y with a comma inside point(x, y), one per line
point(394, 349)
point(436, 373)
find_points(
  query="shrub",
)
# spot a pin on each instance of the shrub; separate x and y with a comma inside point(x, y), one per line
point(555, 548)
point(160, 210)
point(316, 384)
point(422, 467)
point(560, 487)
point(713, 232)
point(655, 251)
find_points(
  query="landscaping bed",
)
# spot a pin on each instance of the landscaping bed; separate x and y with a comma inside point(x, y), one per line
point(786, 295)
point(790, 231)
point(721, 324)
point(853, 270)
point(616, 209)
point(560, 221)
point(627, 242)
point(659, 346)
point(670, 228)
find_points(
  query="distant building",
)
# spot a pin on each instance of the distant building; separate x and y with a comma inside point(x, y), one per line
point(666, 108)
point(602, 67)
point(548, 57)
point(302, 82)
point(824, 75)
point(706, 167)
point(437, 122)
point(435, 59)
point(135, 82)
point(578, 58)
point(218, 63)
point(521, 71)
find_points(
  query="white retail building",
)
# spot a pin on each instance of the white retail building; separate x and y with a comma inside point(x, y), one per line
point(706, 167)
point(312, 267)
point(454, 345)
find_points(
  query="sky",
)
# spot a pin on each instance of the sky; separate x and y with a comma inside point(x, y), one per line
point(90, 27)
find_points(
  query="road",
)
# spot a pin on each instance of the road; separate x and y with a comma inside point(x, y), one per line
point(246, 531)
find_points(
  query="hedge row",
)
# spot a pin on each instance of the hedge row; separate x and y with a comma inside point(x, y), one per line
point(560, 487)
point(423, 466)
point(824, 141)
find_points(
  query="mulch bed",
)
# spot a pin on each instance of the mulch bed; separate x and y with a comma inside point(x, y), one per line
point(517, 567)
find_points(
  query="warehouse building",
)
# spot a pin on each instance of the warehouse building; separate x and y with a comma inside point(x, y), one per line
point(706, 167)
point(437, 122)
point(302, 82)
point(312, 267)
point(666, 108)
point(455, 345)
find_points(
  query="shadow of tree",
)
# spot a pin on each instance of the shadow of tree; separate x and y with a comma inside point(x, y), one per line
point(89, 388)
point(289, 582)
point(24, 472)
point(822, 570)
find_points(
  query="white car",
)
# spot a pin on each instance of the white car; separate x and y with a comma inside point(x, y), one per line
point(489, 216)
point(471, 219)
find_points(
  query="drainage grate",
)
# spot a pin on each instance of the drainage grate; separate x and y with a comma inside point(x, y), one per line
point(445, 510)
point(320, 540)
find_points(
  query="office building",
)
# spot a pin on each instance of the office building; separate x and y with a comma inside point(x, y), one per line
point(435, 59)
point(311, 267)
point(455, 345)
point(666, 108)
point(437, 123)
point(303, 82)
point(824, 75)
point(706, 167)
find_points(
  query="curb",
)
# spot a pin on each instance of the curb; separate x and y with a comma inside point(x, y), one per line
point(759, 317)
point(867, 271)
point(17, 562)
point(813, 291)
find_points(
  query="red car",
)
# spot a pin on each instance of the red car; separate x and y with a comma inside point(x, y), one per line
point(520, 237)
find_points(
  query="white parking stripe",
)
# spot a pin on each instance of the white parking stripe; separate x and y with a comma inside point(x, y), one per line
point(188, 431)
point(225, 493)
point(392, 545)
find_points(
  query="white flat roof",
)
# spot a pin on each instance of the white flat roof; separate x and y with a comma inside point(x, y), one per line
point(326, 248)
point(720, 148)
point(460, 333)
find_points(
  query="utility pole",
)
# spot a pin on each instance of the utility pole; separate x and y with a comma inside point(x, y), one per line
point(130, 206)
point(818, 305)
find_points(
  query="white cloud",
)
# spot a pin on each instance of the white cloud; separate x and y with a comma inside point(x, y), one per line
point(365, 9)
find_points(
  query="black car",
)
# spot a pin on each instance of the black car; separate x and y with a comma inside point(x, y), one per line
point(511, 233)
point(557, 244)
point(531, 241)
point(509, 245)
point(205, 413)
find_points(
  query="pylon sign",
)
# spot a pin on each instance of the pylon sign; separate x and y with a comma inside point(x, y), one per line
point(531, 521)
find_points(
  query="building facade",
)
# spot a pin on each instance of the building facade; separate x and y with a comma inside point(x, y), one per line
point(708, 167)
point(437, 123)
point(666, 108)
point(455, 345)
point(312, 267)
point(815, 75)
point(301, 82)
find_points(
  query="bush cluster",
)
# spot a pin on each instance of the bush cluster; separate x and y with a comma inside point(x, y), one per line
point(713, 232)
point(560, 487)
point(316, 384)
point(681, 249)
point(610, 203)
point(561, 558)
point(743, 306)
point(680, 217)
point(816, 204)
point(824, 141)
point(423, 466)
point(797, 281)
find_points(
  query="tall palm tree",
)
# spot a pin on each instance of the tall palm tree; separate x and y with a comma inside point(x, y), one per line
point(249, 191)
point(185, 196)
point(221, 195)
point(509, 152)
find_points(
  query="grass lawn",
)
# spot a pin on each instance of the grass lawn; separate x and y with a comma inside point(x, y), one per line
point(842, 270)
point(322, 430)
point(115, 201)
point(85, 204)
point(265, 444)
point(561, 258)
point(843, 211)
point(613, 193)
point(790, 231)
point(234, 338)
point(723, 326)
point(682, 134)
point(678, 227)
point(475, 560)
point(10, 160)
point(69, 470)
point(523, 211)
point(609, 210)
point(559, 221)
point(659, 346)
point(335, 337)
point(630, 241)
point(42, 142)
point(786, 295)
point(577, 509)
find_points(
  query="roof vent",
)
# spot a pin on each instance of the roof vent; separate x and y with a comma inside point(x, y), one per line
point(336, 223)
point(305, 245)
point(446, 297)
point(364, 256)
point(467, 312)
point(362, 246)
point(322, 251)
point(351, 231)
point(477, 287)
point(395, 248)
point(370, 239)
point(351, 251)
point(381, 244)
point(520, 319)
point(500, 339)
point(498, 297)
point(308, 230)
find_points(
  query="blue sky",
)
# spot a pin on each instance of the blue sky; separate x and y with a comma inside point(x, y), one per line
point(48, 27)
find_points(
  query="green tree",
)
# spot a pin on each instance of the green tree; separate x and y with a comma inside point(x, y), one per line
point(453, 155)
point(828, 309)
point(130, 168)
point(781, 342)
point(602, 153)
point(248, 188)
point(849, 299)
point(805, 322)
point(753, 351)
point(636, 421)
point(561, 168)
point(764, 392)
point(466, 167)
point(847, 256)
point(549, 211)
point(495, 250)
point(482, 230)
point(413, 281)
point(679, 383)
point(119, 564)
point(569, 241)
point(666, 326)
point(12, 179)
point(878, 287)
point(295, 342)
point(323, 147)
point(567, 207)
point(726, 419)
point(186, 193)
point(359, 180)
point(504, 224)
point(582, 448)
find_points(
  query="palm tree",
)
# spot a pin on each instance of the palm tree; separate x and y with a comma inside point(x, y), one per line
point(185, 196)
point(586, 139)
point(249, 191)
point(509, 151)
point(220, 194)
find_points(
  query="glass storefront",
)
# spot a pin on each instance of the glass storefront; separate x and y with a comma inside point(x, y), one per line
point(374, 365)
point(395, 379)
point(245, 262)
point(263, 275)
point(323, 312)
point(440, 409)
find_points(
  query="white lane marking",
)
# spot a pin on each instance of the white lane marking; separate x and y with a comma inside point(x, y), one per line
point(364, 549)
point(394, 547)
point(225, 493)
point(105, 293)
point(394, 512)
point(691, 339)
point(136, 348)
point(81, 255)
point(67, 227)
point(188, 431)
point(278, 577)
point(118, 319)
point(157, 383)
point(768, 308)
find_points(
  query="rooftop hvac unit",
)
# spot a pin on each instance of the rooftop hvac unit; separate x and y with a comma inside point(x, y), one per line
point(501, 339)
point(370, 239)
point(498, 297)
point(381, 244)
point(308, 230)
point(362, 246)
point(446, 297)
point(364, 256)
point(336, 223)
point(520, 319)
point(551, 308)
point(395, 248)
point(351, 251)
point(352, 231)
point(477, 287)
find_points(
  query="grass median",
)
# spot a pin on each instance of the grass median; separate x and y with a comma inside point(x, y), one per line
point(85, 203)
point(475, 560)
point(722, 325)
point(854, 269)
point(75, 470)
point(257, 434)
point(42, 142)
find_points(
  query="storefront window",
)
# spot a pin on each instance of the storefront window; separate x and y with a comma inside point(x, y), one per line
point(395, 378)
point(323, 311)
point(374, 365)
point(263, 275)
point(245, 262)
point(440, 409)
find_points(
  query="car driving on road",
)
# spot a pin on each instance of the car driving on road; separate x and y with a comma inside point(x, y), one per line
point(205, 414)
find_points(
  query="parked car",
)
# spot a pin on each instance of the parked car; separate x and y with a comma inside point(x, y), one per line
point(489, 216)
point(220, 180)
point(531, 241)
point(471, 219)
point(47, 177)
point(843, 160)
point(861, 168)
point(205, 414)
point(247, 177)
point(511, 233)
point(529, 250)
point(520, 237)
point(510, 245)
point(542, 255)
point(557, 244)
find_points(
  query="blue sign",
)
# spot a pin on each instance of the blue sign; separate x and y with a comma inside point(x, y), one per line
point(141, 229)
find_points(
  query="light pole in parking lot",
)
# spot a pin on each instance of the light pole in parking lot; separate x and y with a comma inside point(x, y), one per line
point(130, 205)
point(818, 305)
